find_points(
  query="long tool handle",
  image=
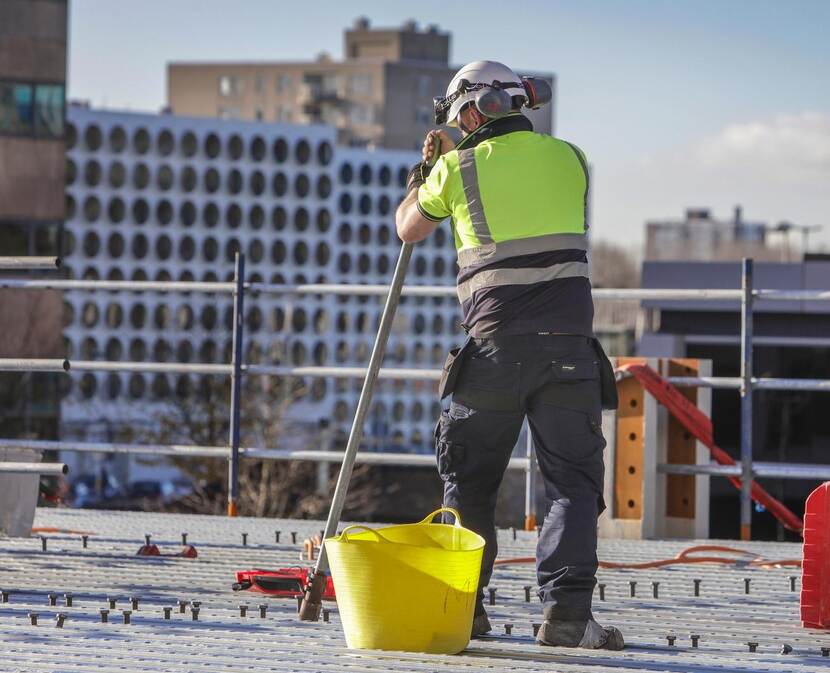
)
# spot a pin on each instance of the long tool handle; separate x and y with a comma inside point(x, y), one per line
point(312, 601)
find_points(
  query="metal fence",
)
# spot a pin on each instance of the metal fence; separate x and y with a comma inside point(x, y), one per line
point(236, 369)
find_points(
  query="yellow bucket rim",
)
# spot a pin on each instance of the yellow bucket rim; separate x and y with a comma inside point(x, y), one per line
point(426, 521)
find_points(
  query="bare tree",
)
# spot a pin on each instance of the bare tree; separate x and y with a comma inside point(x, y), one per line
point(613, 266)
point(31, 328)
point(267, 488)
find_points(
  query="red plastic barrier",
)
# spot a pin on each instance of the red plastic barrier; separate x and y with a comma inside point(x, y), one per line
point(815, 573)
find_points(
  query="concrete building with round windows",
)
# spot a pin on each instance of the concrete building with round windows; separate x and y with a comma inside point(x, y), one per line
point(163, 197)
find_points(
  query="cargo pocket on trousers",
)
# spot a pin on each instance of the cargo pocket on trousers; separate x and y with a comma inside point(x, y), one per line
point(449, 372)
point(449, 455)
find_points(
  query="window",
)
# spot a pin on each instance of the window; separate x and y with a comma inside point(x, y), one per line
point(331, 83)
point(229, 112)
point(258, 114)
point(230, 85)
point(361, 114)
point(360, 83)
point(32, 109)
point(284, 113)
point(16, 108)
point(284, 82)
point(424, 115)
point(259, 83)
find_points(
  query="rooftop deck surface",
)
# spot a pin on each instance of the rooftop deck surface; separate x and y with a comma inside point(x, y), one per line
point(723, 615)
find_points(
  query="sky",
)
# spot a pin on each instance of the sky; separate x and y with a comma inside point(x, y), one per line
point(704, 103)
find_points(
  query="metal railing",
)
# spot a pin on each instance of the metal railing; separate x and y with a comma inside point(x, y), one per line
point(236, 369)
point(29, 263)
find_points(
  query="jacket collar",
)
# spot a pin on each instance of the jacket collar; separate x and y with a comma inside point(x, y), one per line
point(494, 128)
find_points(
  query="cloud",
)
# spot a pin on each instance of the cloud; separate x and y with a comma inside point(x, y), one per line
point(777, 168)
point(786, 147)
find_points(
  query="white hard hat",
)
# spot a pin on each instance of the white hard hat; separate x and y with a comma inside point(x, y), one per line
point(481, 73)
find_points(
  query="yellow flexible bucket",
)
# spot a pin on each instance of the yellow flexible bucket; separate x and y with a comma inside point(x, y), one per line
point(410, 587)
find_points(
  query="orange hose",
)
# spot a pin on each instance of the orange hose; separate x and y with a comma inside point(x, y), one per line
point(684, 557)
point(64, 531)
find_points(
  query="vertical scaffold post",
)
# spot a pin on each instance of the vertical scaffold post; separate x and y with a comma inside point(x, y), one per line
point(746, 399)
point(530, 482)
point(236, 382)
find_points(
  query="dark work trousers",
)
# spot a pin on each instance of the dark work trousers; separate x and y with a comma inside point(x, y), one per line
point(554, 381)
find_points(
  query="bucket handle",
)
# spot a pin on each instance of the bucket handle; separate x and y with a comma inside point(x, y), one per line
point(428, 519)
point(345, 538)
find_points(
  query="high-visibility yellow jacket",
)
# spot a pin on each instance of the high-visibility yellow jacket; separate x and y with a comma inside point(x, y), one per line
point(518, 203)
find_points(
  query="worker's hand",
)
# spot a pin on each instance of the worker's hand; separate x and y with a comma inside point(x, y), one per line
point(445, 144)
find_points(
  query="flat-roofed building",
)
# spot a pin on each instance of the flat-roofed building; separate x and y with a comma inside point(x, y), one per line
point(32, 84)
point(379, 95)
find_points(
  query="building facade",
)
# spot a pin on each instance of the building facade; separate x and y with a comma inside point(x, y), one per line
point(699, 236)
point(379, 95)
point(32, 93)
point(168, 197)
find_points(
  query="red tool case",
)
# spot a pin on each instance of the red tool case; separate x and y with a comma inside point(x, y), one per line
point(287, 582)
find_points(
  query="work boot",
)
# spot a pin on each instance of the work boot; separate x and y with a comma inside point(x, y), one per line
point(481, 624)
point(585, 634)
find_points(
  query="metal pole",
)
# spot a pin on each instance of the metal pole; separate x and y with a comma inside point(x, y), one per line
point(33, 365)
point(312, 601)
point(236, 383)
point(746, 400)
point(530, 482)
point(29, 262)
point(323, 466)
point(34, 468)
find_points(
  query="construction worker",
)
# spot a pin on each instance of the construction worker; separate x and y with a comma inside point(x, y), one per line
point(518, 201)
